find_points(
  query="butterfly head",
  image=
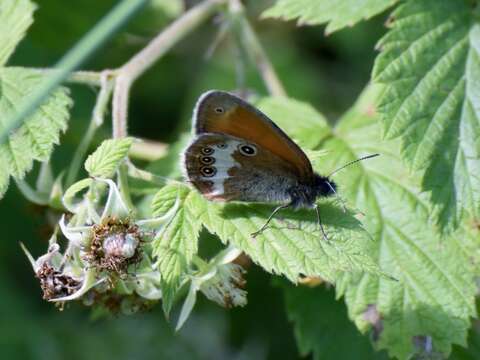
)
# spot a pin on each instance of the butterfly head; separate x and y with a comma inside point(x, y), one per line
point(324, 186)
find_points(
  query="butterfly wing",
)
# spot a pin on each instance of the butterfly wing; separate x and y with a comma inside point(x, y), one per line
point(224, 113)
point(224, 167)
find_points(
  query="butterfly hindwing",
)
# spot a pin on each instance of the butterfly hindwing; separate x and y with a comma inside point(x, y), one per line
point(224, 167)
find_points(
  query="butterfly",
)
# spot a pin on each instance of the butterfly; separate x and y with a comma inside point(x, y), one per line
point(239, 154)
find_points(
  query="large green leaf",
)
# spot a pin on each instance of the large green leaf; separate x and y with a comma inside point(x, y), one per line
point(430, 64)
point(177, 243)
point(434, 297)
point(15, 18)
point(34, 140)
point(322, 326)
point(338, 14)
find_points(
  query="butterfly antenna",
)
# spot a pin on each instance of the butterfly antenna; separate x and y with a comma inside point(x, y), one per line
point(344, 204)
point(352, 162)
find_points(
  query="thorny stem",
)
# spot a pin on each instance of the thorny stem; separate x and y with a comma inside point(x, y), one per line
point(93, 78)
point(143, 60)
point(96, 121)
point(257, 53)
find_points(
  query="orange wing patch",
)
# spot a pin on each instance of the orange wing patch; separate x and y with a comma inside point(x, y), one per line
point(241, 120)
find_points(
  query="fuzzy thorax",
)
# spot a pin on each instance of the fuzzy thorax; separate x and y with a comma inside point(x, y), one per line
point(304, 195)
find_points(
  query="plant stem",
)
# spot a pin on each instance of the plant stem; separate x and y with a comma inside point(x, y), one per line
point(148, 150)
point(256, 51)
point(93, 78)
point(96, 121)
point(144, 59)
point(144, 175)
point(163, 42)
point(85, 47)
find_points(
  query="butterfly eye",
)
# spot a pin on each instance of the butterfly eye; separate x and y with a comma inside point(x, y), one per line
point(219, 110)
point(208, 171)
point(207, 151)
point(207, 160)
point(247, 150)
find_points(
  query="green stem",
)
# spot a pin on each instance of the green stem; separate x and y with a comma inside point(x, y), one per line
point(96, 121)
point(199, 262)
point(93, 78)
point(144, 175)
point(123, 185)
point(72, 60)
point(257, 53)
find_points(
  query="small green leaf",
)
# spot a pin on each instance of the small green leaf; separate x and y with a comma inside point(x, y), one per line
point(322, 326)
point(177, 243)
point(16, 16)
point(430, 62)
point(338, 14)
point(108, 156)
point(34, 140)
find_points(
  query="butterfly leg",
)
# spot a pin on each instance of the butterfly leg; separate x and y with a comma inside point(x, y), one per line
point(277, 209)
point(319, 221)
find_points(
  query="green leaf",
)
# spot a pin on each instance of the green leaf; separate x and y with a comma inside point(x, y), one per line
point(16, 16)
point(430, 63)
point(34, 140)
point(338, 14)
point(473, 350)
point(108, 156)
point(177, 243)
point(293, 244)
point(322, 326)
point(434, 296)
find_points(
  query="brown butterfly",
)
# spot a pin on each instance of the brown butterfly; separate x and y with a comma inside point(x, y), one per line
point(239, 154)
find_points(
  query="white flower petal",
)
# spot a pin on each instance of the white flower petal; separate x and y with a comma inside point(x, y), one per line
point(187, 305)
point(73, 234)
point(156, 223)
point(115, 206)
point(228, 255)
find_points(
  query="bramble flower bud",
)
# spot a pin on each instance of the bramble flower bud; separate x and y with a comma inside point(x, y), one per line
point(114, 245)
point(105, 263)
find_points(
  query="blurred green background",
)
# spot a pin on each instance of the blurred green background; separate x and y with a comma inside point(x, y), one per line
point(329, 72)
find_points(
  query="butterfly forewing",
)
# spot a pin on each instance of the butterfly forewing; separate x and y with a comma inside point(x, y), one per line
point(224, 167)
point(221, 112)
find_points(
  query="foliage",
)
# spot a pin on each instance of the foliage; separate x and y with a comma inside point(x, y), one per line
point(403, 256)
point(106, 159)
point(338, 14)
point(431, 101)
point(35, 139)
point(322, 325)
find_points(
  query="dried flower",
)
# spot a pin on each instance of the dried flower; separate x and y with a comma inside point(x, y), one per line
point(101, 251)
point(226, 288)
